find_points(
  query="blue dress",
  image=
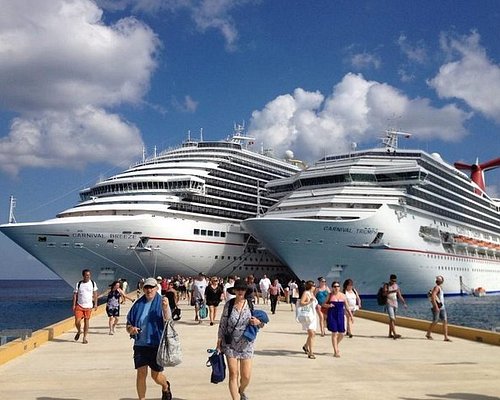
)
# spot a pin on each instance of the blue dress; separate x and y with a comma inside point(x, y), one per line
point(335, 321)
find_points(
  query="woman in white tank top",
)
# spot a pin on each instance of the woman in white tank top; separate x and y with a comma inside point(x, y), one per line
point(353, 300)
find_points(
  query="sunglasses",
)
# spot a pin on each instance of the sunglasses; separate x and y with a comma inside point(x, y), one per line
point(336, 285)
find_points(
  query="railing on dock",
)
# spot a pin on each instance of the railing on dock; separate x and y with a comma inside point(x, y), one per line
point(7, 334)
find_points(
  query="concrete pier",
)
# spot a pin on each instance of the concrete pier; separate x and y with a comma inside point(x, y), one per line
point(371, 365)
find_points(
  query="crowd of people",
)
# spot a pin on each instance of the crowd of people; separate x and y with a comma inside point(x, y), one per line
point(316, 306)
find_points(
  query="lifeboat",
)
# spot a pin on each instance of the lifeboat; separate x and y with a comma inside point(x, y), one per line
point(459, 242)
point(479, 292)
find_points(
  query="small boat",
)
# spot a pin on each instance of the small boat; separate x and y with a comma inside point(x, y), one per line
point(479, 292)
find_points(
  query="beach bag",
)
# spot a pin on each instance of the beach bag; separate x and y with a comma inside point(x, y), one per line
point(203, 311)
point(169, 352)
point(218, 364)
point(305, 314)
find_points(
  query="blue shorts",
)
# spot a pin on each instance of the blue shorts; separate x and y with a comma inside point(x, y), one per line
point(144, 355)
point(439, 315)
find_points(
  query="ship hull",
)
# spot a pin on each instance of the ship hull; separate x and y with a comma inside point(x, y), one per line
point(134, 247)
point(338, 250)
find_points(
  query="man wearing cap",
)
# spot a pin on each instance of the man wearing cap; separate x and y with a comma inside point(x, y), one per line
point(145, 324)
point(393, 293)
point(438, 309)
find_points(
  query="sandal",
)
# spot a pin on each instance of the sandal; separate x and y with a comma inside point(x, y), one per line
point(311, 356)
point(429, 337)
point(166, 395)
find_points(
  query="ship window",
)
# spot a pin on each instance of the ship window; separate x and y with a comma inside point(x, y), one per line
point(110, 241)
point(196, 231)
point(137, 233)
point(216, 257)
point(42, 238)
point(126, 232)
point(216, 233)
point(204, 232)
point(210, 233)
point(223, 234)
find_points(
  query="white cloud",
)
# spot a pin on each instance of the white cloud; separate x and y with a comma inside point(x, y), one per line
point(189, 105)
point(68, 139)
point(415, 53)
point(470, 75)
point(365, 60)
point(206, 14)
point(357, 109)
point(59, 60)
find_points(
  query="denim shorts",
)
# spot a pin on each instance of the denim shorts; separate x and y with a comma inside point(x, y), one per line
point(391, 311)
point(144, 355)
point(439, 315)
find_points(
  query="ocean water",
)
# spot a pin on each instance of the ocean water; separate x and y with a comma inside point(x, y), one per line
point(35, 304)
point(473, 312)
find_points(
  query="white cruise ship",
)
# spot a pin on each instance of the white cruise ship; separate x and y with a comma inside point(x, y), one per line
point(176, 213)
point(368, 214)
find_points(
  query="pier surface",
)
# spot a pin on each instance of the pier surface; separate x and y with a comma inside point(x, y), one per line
point(371, 365)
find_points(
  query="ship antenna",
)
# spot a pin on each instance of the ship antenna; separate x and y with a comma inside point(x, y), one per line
point(391, 139)
point(143, 154)
point(201, 134)
point(12, 206)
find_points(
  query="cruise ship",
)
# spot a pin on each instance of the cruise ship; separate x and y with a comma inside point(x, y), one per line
point(367, 214)
point(177, 212)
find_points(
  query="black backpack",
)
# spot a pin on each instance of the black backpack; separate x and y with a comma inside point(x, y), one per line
point(381, 295)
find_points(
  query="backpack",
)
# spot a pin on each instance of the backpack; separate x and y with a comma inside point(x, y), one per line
point(80, 282)
point(381, 295)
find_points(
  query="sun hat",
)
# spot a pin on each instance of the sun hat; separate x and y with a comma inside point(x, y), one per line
point(239, 284)
point(150, 282)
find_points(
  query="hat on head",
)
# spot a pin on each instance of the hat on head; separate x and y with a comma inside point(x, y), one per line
point(239, 284)
point(150, 282)
point(159, 278)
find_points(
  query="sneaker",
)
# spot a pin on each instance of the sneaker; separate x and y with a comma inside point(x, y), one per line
point(166, 395)
point(77, 336)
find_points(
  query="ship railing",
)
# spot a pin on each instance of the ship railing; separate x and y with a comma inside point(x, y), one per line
point(7, 334)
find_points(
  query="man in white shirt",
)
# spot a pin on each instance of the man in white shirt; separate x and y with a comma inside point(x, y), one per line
point(84, 300)
point(198, 298)
point(264, 284)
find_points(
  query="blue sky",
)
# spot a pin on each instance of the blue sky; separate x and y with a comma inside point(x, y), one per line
point(85, 85)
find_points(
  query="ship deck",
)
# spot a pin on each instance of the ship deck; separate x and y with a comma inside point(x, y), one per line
point(371, 365)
